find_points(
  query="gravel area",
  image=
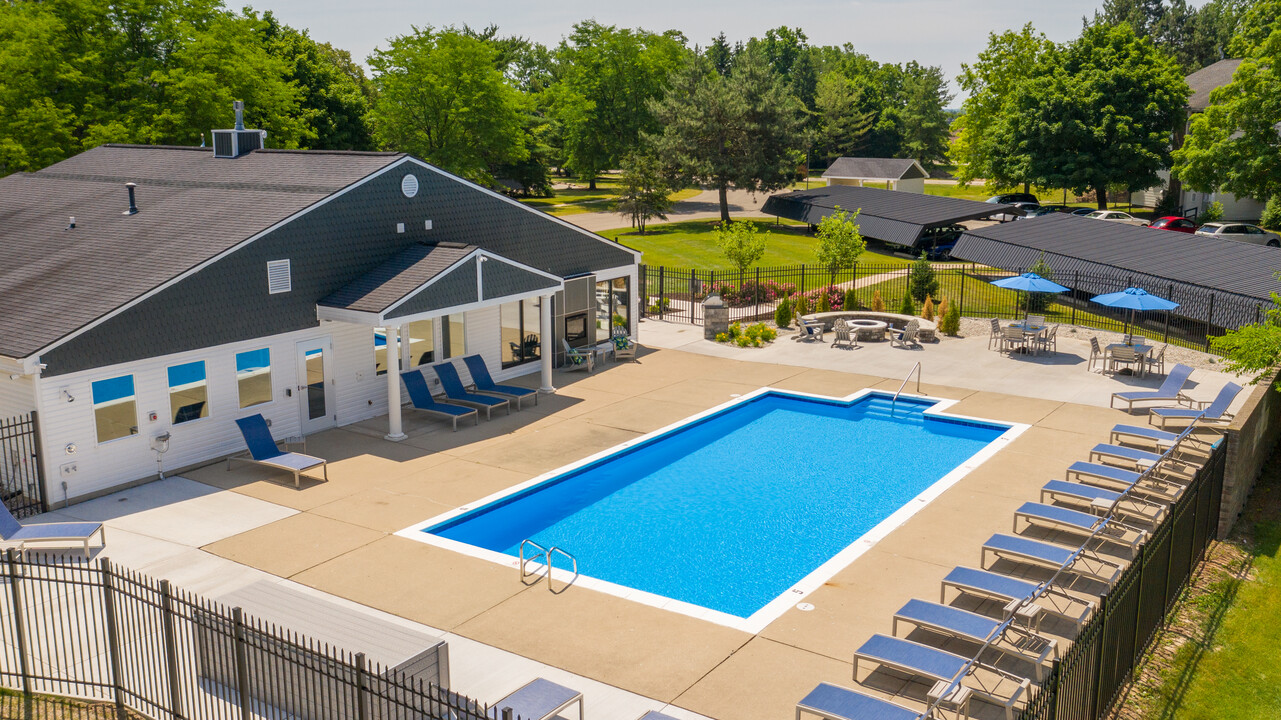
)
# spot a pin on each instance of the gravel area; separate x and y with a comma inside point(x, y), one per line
point(972, 327)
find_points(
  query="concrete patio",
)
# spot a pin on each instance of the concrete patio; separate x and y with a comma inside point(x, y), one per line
point(216, 530)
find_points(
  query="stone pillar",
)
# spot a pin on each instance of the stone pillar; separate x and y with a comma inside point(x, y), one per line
point(394, 431)
point(715, 317)
point(545, 334)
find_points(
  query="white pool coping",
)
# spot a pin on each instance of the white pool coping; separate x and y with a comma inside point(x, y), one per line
point(789, 597)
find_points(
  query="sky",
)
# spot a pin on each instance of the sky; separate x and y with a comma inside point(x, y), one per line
point(932, 32)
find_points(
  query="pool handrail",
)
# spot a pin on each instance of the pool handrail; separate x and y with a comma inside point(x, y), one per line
point(915, 369)
point(521, 556)
point(572, 559)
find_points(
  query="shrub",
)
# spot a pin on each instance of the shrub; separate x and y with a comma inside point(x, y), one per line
point(1271, 218)
point(783, 313)
point(943, 308)
point(878, 303)
point(927, 310)
point(834, 296)
point(722, 337)
point(1212, 213)
point(743, 341)
point(907, 308)
point(951, 322)
point(924, 282)
point(736, 330)
point(802, 306)
point(753, 332)
point(824, 303)
point(850, 301)
point(768, 334)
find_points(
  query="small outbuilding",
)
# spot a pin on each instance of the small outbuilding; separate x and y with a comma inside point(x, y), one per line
point(904, 175)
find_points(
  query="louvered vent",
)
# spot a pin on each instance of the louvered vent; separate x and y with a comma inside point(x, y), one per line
point(278, 277)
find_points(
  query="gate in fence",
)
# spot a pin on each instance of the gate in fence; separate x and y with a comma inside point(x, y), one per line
point(22, 484)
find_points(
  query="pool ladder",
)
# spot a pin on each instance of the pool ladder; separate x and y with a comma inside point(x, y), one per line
point(915, 369)
point(546, 554)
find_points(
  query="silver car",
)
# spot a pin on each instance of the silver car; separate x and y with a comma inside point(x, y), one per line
point(1240, 232)
point(1118, 217)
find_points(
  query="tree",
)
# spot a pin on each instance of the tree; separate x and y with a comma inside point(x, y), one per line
point(644, 192)
point(843, 118)
point(782, 47)
point(1010, 60)
point(607, 77)
point(925, 124)
point(441, 97)
point(741, 242)
point(742, 131)
point(1234, 145)
point(925, 282)
point(839, 241)
point(1097, 113)
point(1256, 348)
point(720, 55)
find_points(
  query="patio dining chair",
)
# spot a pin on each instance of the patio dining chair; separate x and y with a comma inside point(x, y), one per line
point(1011, 338)
point(1157, 360)
point(1097, 354)
point(1048, 339)
point(1036, 320)
point(995, 335)
point(1122, 356)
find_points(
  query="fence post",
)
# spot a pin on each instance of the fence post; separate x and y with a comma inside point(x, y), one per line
point(1209, 321)
point(19, 627)
point(113, 636)
point(39, 454)
point(362, 697)
point(1096, 692)
point(242, 664)
point(661, 287)
point(961, 306)
point(802, 290)
point(1076, 287)
point(642, 278)
point(1169, 296)
point(171, 649)
point(756, 292)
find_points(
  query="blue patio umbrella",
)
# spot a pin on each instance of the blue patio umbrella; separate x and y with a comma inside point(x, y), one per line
point(1133, 299)
point(1029, 282)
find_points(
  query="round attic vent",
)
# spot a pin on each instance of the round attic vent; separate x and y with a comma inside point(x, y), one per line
point(409, 185)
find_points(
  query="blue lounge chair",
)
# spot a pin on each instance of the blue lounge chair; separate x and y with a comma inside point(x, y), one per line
point(263, 450)
point(1045, 554)
point(420, 399)
point(838, 703)
point(966, 625)
point(1099, 497)
point(485, 383)
point(1137, 433)
point(939, 665)
point(1170, 391)
point(66, 534)
point(1141, 459)
point(1149, 483)
point(1215, 413)
point(994, 586)
point(539, 699)
point(1062, 518)
point(455, 391)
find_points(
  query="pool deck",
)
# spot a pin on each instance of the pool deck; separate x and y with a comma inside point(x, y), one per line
point(227, 529)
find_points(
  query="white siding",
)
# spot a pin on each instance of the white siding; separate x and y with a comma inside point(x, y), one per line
point(912, 185)
point(17, 397)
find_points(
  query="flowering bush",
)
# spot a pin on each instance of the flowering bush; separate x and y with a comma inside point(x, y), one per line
point(835, 297)
point(749, 293)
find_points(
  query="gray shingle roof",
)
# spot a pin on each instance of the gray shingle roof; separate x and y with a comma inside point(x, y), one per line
point(192, 207)
point(1208, 79)
point(874, 168)
point(886, 215)
point(378, 289)
point(1112, 255)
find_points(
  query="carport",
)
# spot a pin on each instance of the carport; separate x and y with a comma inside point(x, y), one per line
point(1223, 283)
point(900, 218)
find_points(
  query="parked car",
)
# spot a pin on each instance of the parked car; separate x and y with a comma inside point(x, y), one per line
point(1042, 210)
point(1011, 198)
point(1083, 211)
point(936, 243)
point(1175, 223)
point(1026, 207)
point(1240, 232)
point(1118, 217)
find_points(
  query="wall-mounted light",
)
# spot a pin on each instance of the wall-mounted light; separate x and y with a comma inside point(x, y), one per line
point(66, 395)
point(70, 449)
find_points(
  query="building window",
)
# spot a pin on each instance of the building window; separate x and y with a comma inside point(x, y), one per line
point(613, 307)
point(453, 341)
point(115, 410)
point(253, 377)
point(521, 338)
point(188, 392)
point(421, 337)
point(380, 351)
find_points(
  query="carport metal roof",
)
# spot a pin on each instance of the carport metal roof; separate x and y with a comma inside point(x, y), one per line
point(887, 215)
point(1097, 256)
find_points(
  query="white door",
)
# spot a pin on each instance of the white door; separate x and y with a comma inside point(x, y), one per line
point(316, 385)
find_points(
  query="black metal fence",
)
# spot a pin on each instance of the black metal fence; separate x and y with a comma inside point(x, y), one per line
point(1085, 683)
point(96, 631)
point(21, 469)
point(676, 294)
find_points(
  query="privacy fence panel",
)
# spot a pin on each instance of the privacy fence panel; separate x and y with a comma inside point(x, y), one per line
point(1086, 682)
point(676, 294)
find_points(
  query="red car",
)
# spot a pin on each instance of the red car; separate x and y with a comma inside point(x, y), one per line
point(1175, 223)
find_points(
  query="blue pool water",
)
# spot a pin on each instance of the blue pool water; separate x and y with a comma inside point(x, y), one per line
point(730, 511)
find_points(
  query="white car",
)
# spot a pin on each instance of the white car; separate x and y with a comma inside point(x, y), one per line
point(1241, 232)
point(1117, 216)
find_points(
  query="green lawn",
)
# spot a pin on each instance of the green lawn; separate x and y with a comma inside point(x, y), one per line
point(582, 200)
point(1231, 668)
point(692, 243)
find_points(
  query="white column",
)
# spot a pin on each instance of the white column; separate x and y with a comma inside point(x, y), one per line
point(545, 332)
point(394, 431)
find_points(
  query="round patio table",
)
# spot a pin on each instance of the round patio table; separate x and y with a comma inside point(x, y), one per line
point(868, 329)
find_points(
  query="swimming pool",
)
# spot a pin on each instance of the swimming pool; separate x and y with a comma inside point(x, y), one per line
point(727, 514)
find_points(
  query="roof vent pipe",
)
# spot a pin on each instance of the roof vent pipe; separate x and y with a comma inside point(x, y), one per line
point(239, 106)
point(133, 207)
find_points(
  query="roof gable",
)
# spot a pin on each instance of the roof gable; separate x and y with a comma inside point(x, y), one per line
point(859, 168)
point(1207, 80)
